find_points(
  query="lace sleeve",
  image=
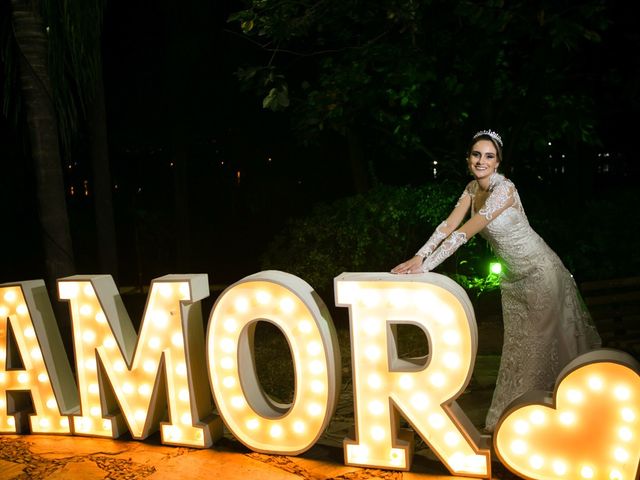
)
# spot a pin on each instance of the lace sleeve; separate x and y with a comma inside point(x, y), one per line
point(434, 240)
point(501, 197)
point(445, 250)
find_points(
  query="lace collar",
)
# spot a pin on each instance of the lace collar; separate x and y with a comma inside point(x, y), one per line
point(495, 180)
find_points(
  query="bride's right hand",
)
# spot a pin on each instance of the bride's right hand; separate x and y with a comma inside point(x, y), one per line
point(413, 265)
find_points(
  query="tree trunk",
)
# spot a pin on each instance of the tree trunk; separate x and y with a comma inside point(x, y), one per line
point(105, 224)
point(43, 136)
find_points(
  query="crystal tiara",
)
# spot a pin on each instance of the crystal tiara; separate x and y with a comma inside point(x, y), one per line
point(491, 134)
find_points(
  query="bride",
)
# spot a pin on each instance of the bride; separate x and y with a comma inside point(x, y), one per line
point(546, 324)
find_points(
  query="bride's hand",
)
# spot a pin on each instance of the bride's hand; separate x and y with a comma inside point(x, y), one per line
point(413, 265)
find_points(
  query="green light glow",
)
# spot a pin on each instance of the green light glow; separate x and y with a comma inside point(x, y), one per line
point(495, 268)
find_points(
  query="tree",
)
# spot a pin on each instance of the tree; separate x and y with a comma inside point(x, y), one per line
point(51, 50)
point(411, 78)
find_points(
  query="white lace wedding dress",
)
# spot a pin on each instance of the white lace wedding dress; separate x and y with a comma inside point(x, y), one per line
point(546, 324)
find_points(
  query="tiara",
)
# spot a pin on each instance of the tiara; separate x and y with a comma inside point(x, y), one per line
point(491, 134)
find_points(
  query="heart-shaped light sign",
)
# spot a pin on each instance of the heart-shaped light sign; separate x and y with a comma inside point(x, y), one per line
point(589, 429)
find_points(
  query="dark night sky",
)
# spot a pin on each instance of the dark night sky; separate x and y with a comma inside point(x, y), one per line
point(168, 69)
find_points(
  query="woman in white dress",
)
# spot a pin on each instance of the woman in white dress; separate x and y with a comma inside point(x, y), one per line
point(546, 324)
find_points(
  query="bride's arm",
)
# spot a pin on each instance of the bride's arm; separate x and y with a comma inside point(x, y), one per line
point(414, 264)
point(498, 201)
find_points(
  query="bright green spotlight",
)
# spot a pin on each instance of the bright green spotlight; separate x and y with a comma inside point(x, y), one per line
point(495, 268)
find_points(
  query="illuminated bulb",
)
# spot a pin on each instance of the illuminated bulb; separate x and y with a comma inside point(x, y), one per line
point(406, 382)
point(622, 393)
point(36, 354)
point(317, 386)
point(230, 325)
point(154, 342)
point(95, 411)
point(160, 318)
point(3, 378)
point(51, 403)
point(377, 433)
point(436, 420)
point(165, 290)
point(263, 297)
point(144, 390)
point(23, 378)
point(149, 366)
point(536, 461)
point(227, 345)
point(181, 369)
point(371, 326)
point(537, 417)
point(299, 426)
point(451, 337)
point(89, 336)
point(314, 409)
point(372, 352)
point(575, 396)
point(101, 318)
point(316, 367)
point(229, 382)
point(11, 421)
point(615, 475)
point(304, 326)
point(4, 311)
point(226, 363)
point(438, 380)
point(3, 403)
point(521, 427)
point(64, 422)
point(185, 419)
point(127, 388)
point(370, 299)
point(519, 447)
point(110, 343)
point(185, 291)
point(374, 380)
point(567, 418)
point(376, 407)
point(29, 332)
point(625, 434)
point(44, 423)
point(91, 364)
point(444, 315)
point(452, 438)
point(559, 468)
point(10, 296)
point(94, 388)
point(42, 377)
point(287, 305)
point(275, 431)
point(241, 304)
point(237, 402)
point(253, 424)
point(67, 290)
point(586, 472)
point(595, 383)
point(140, 415)
point(398, 298)
point(88, 290)
point(627, 414)
point(314, 348)
point(22, 309)
point(621, 454)
point(419, 401)
point(85, 310)
point(425, 301)
point(451, 360)
point(177, 339)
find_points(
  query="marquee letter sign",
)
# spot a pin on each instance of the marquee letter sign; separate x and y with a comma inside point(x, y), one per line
point(588, 428)
point(252, 416)
point(386, 386)
point(165, 357)
point(39, 366)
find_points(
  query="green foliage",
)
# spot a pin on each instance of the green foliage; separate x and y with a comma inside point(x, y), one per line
point(418, 75)
point(366, 232)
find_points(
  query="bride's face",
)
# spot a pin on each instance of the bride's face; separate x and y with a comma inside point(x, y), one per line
point(483, 159)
